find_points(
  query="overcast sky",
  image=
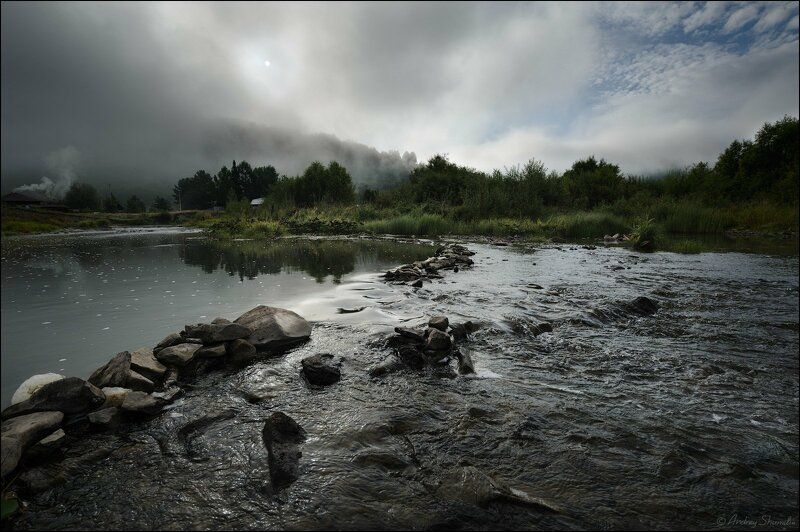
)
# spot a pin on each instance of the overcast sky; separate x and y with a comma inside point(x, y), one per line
point(154, 91)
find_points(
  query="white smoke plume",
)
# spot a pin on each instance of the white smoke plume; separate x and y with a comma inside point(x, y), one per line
point(61, 163)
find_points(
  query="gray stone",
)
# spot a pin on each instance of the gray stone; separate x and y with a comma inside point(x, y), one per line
point(144, 362)
point(214, 333)
point(178, 355)
point(240, 351)
point(320, 369)
point(139, 382)
point(211, 351)
point(169, 341)
point(22, 432)
point(216, 321)
point(140, 403)
point(107, 417)
point(54, 441)
point(70, 396)
point(438, 341)
point(282, 437)
point(465, 363)
point(115, 396)
point(113, 373)
point(31, 384)
point(274, 328)
point(413, 334)
point(438, 322)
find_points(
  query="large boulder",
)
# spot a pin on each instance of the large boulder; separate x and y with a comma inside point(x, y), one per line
point(145, 363)
point(274, 328)
point(320, 369)
point(114, 373)
point(215, 333)
point(282, 437)
point(170, 340)
point(139, 382)
point(22, 432)
point(115, 396)
point(178, 355)
point(70, 396)
point(31, 384)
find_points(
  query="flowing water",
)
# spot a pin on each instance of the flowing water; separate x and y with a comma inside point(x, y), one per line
point(687, 418)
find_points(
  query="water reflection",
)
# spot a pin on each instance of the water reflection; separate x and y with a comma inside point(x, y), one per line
point(318, 258)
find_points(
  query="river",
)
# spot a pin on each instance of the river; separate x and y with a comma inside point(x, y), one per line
point(686, 418)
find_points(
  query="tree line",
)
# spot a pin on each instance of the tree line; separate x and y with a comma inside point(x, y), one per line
point(765, 168)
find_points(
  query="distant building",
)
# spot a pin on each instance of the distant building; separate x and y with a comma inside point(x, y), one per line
point(25, 199)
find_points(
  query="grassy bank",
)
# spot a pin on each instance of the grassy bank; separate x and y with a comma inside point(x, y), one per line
point(678, 226)
point(21, 221)
point(666, 220)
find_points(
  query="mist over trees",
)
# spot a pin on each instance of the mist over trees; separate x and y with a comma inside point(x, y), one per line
point(762, 169)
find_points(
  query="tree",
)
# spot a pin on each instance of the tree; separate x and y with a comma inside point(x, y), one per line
point(82, 197)
point(111, 204)
point(196, 192)
point(134, 204)
point(161, 204)
point(590, 183)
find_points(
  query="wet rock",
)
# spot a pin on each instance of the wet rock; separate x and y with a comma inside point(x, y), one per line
point(140, 383)
point(389, 365)
point(22, 432)
point(342, 310)
point(105, 418)
point(212, 351)
point(114, 372)
point(382, 459)
point(53, 441)
point(169, 341)
point(79, 455)
point(541, 328)
point(465, 363)
point(274, 328)
point(439, 322)
point(458, 331)
point(215, 333)
point(70, 395)
point(411, 356)
point(115, 396)
point(282, 437)
point(471, 486)
point(437, 340)
point(412, 334)
point(140, 403)
point(31, 384)
point(178, 355)
point(644, 306)
point(417, 283)
point(145, 363)
point(320, 369)
point(168, 395)
point(240, 351)
point(217, 321)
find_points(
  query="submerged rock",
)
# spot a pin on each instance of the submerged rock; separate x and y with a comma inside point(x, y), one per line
point(22, 432)
point(465, 363)
point(31, 384)
point(282, 437)
point(644, 305)
point(320, 369)
point(70, 395)
point(274, 328)
point(472, 486)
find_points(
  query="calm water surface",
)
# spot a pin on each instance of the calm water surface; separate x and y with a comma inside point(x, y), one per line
point(688, 418)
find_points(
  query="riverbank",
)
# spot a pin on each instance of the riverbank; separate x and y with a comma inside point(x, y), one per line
point(682, 228)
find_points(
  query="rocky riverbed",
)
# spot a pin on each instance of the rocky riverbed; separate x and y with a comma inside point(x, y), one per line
point(538, 388)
